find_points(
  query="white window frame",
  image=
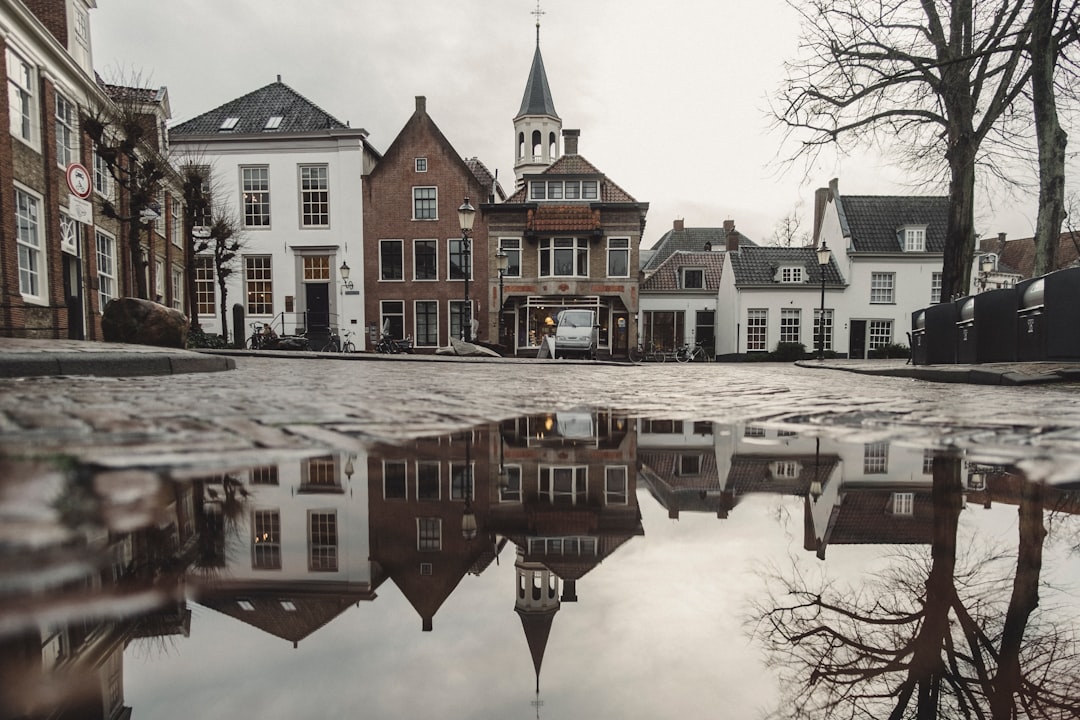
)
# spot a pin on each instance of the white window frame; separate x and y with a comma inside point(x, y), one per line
point(511, 492)
point(67, 130)
point(876, 458)
point(431, 541)
point(30, 241)
point(620, 495)
point(401, 254)
point(550, 247)
point(324, 539)
point(792, 274)
point(434, 209)
point(23, 88)
point(790, 325)
point(912, 238)
point(620, 246)
point(178, 287)
point(177, 218)
point(103, 179)
point(827, 343)
point(420, 164)
point(879, 333)
point(418, 339)
point(882, 288)
point(404, 467)
point(935, 288)
point(255, 181)
point(159, 280)
point(259, 272)
point(757, 330)
point(317, 196)
point(438, 479)
point(903, 503)
point(455, 248)
point(205, 286)
point(579, 483)
point(685, 275)
point(425, 243)
point(511, 247)
point(108, 287)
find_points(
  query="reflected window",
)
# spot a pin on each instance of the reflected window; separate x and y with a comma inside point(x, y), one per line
point(461, 486)
point(689, 464)
point(266, 540)
point(875, 458)
point(394, 480)
point(703, 428)
point(661, 427)
point(928, 462)
point(903, 503)
point(428, 534)
point(267, 475)
point(427, 480)
point(754, 431)
point(511, 491)
point(319, 474)
point(322, 541)
point(615, 485)
point(785, 469)
point(564, 485)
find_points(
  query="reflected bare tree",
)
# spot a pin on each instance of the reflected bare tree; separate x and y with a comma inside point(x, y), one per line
point(944, 636)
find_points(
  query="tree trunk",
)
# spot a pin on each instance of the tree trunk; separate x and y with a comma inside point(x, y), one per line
point(960, 229)
point(1051, 138)
point(138, 262)
point(224, 310)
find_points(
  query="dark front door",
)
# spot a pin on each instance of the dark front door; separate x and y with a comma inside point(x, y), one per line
point(619, 338)
point(73, 297)
point(318, 306)
point(857, 340)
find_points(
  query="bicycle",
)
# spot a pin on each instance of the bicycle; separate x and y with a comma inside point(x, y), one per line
point(652, 353)
point(347, 345)
point(261, 334)
point(687, 353)
point(333, 344)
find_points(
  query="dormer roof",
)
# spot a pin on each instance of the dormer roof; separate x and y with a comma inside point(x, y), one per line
point(872, 221)
point(757, 266)
point(666, 276)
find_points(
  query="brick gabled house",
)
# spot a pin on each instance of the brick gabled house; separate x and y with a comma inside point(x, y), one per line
point(418, 271)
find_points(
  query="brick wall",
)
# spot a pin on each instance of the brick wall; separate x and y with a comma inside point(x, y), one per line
point(53, 15)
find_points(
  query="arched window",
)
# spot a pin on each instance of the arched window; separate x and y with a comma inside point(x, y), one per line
point(521, 146)
point(552, 587)
point(553, 146)
point(537, 587)
point(536, 148)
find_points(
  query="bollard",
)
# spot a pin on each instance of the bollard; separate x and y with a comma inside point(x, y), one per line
point(238, 325)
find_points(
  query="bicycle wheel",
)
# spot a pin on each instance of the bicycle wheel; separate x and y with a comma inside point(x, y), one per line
point(254, 342)
point(635, 354)
point(683, 355)
point(659, 356)
point(348, 347)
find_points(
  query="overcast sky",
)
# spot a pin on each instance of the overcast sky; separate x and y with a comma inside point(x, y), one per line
point(671, 98)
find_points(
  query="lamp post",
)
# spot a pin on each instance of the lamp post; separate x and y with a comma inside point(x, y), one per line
point(823, 255)
point(987, 267)
point(346, 283)
point(466, 215)
point(502, 262)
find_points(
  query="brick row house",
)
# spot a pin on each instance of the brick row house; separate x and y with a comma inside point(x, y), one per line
point(62, 259)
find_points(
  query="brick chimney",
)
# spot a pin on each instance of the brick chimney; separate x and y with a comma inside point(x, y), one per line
point(731, 236)
point(678, 225)
point(570, 140)
point(53, 15)
point(421, 105)
point(821, 199)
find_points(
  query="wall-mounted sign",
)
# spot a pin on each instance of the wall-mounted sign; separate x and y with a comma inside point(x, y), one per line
point(78, 180)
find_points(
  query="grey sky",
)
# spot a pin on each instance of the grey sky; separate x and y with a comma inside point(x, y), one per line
point(670, 97)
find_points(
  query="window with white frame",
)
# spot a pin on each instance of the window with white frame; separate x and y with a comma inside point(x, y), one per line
point(461, 481)
point(391, 260)
point(790, 325)
point(426, 259)
point(103, 180)
point(177, 217)
point(266, 540)
point(425, 203)
point(827, 341)
point(903, 503)
point(421, 164)
point(785, 469)
point(428, 478)
point(159, 280)
point(881, 287)
point(879, 334)
point(392, 317)
point(510, 489)
point(792, 274)
point(428, 534)
point(757, 325)
point(688, 464)
point(459, 311)
point(258, 279)
point(30, 242)
point(511, 247)
point(564, 257)
point(693, 278)
point(460, 259)
point(273, 122)
point(563, 190)
point(618, 257)
point(875, 458)
point(427, 323)
point(912, 238)
point(322, 541)
point(616, 485)
point(106, 265)
point(935, 288)
point(320, 471)
point(67, 131)
point(177, 288)
point(564, 485)
point(394, 479)
point(316, 268)
point(204, 285)
point(22, 99)
point(255, 185)
point(314, 196)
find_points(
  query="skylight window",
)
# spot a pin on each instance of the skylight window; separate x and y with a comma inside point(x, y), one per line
point(273, 123)
point(229, 123)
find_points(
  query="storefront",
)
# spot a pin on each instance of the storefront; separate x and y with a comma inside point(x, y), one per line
point(535, 318)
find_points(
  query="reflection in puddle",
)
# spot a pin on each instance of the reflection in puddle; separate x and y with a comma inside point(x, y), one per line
point(96, 561)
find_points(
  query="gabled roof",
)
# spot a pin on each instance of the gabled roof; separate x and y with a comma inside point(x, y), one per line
point(667, 276)
point(872, 221)
point(486, 178)
point(576, 166)
point(253, 113)
point(690, 239)
point(1019, 254)
point(537, 99)
point(758, 265)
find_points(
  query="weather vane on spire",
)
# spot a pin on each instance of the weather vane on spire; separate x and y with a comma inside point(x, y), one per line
point(537, 12)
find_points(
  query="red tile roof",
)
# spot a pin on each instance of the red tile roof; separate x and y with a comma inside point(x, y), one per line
point(563, 218)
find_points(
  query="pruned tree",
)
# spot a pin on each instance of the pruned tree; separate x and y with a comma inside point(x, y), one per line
point(931, 79)
point(126, 137)
point(788, 232)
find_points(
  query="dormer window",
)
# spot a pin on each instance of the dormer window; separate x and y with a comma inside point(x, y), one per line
point(792, 274)
point(563, 189)
point(912, 238)
point(229, 123)
point(693, 278)
point(273, 122)
point(786, 469)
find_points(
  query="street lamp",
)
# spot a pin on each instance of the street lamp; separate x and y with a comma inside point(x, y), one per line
point(823, 255)
point(346, 283)
point(987, 267)
point(502, 262)
point(466, 215)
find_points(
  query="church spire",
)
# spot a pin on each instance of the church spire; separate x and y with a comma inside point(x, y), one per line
point(537, 127)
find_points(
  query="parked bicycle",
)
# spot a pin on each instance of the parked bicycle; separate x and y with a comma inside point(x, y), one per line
point(347, 345)
point(647, 353)
point(390, 345)
point(695, 352)
point(261, 335)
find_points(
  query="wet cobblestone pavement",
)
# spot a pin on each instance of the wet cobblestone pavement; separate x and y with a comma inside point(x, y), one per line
point(306, 402)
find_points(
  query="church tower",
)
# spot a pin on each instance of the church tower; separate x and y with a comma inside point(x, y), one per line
point(537, 127)
point(536, 602)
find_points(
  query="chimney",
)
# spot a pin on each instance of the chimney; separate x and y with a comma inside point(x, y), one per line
point(821, 199)
point(731, 235)
point(570, 140)
point(53, 15)
point(421, 105)
point(678, 225)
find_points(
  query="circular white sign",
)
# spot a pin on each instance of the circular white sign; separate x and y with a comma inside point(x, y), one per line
point(78, 180)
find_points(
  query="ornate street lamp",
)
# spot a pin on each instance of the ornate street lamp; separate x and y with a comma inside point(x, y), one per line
point(346, 283)
point(502, 262)
point(987, 267)
point(466, 215)
point(823, 256)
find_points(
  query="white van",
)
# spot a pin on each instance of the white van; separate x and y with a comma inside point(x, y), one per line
point(576, 333)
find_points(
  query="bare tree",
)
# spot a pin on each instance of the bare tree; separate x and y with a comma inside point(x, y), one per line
point(936, 76)
point(788, 232)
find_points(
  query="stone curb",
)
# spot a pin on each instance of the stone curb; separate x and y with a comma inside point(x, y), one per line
point(109, 364)
point(960, 374)
point(411, 357)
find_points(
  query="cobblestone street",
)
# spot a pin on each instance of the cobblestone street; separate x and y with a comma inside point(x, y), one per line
point(303, 403)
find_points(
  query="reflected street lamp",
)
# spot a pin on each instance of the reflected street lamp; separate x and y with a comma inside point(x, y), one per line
point(466, 215)
point(468, 517)
point(823, 255)
point(502, 262)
